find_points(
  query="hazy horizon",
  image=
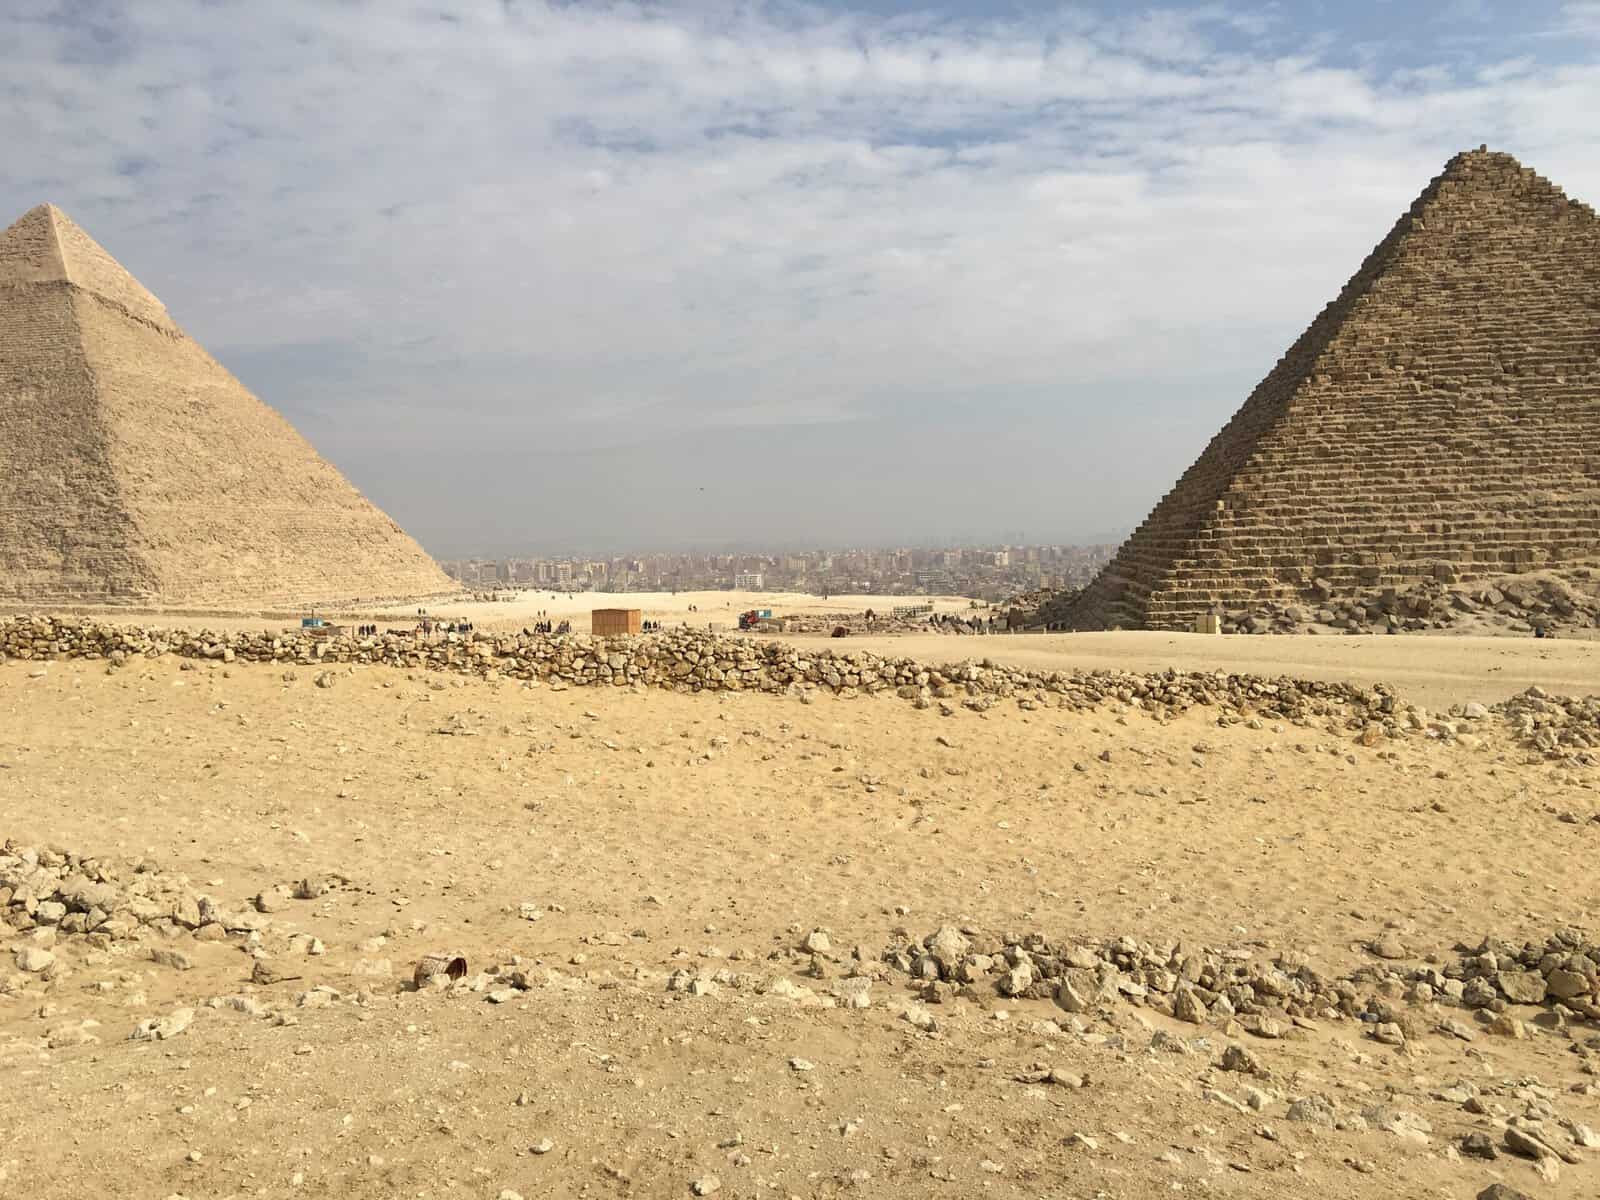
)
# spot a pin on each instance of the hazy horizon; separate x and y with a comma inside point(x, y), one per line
point(766, 273)
point(623, 548)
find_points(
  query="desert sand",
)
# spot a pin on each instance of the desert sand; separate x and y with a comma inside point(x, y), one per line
point(718, 609)
point(599, 840)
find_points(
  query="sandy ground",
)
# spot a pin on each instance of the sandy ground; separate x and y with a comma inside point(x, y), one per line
point(1436, 671)
point(657, 831)
point(719, 609)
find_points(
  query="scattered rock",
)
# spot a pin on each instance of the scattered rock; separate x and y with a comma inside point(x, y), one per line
point(948, 946)
point(1521, 987)
point(34, 959)
point(1389, 1033)
point(1505, 1025)
point(1187, 1006)
point(1313, 1110)
point(1501, 1191)
point(1237, 1058)
point(1520, 1141)
point(159, 1029)
point(1387, 946)
point(853, 991)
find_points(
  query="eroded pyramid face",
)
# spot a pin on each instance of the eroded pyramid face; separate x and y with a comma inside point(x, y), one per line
point(138, 471)
point(1440, 419)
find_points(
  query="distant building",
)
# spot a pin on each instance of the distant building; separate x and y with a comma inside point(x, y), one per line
point(748, 581)
point(612, 622)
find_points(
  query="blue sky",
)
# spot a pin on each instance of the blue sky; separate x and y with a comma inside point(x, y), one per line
point(603, 275)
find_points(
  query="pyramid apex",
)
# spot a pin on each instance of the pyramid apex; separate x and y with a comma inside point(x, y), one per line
point(1481, 154)
point(30, 250)
point(46, 246)
point(1483, 171)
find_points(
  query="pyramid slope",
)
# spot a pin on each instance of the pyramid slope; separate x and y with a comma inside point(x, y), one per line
point(1441, 418)
point(64, 532)
point(138, 471)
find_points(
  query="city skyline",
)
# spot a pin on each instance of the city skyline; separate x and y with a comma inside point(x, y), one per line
point(623, 546)
point(991, 571)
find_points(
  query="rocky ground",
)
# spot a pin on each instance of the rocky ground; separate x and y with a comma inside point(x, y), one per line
point(1549, 603)
point(1562, 604)
point(790, 944)
point(857, 622)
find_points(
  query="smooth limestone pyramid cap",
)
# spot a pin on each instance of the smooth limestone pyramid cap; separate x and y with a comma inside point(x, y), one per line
point(47, 246)
point(135, 470)
point(1439, 419)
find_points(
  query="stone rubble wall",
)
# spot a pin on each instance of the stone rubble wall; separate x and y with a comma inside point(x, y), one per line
point(1204, 985)
point(1440, 419)
point(687, 660)
point(856, 623)
point(694, 660)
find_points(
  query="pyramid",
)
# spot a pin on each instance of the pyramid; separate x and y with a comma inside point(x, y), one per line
point(135, 470)
point(1440, 419)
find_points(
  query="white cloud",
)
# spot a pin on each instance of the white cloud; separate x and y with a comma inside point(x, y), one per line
point(1582, 17)
point(701, 214)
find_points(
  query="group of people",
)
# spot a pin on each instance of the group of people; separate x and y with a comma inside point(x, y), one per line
point(366, 631)
point(428, 627)
point(547, 627)
point(650, 627)
point(950, 623)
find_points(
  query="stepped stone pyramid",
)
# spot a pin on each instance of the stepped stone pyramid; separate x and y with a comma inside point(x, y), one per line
point(1440, 419)
point(135, 470)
